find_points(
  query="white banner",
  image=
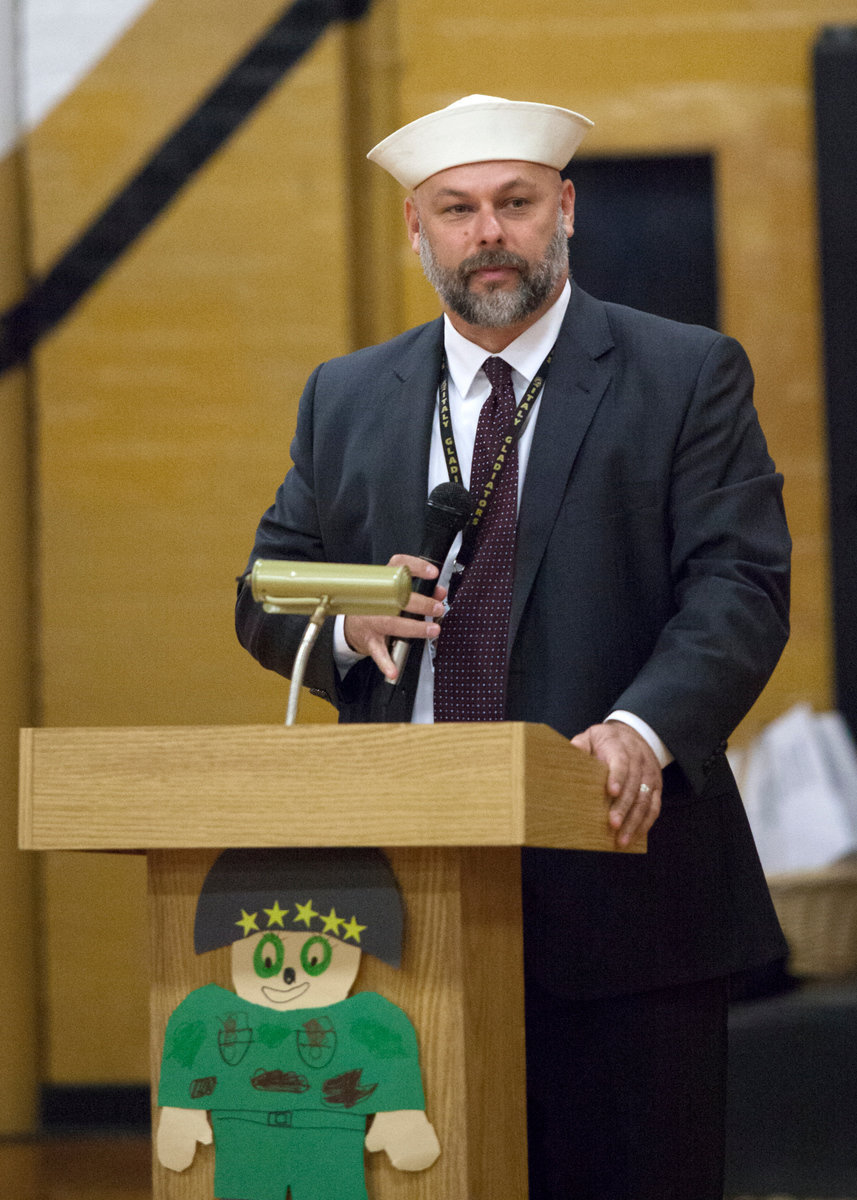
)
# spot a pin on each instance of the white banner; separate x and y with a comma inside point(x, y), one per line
point(8, 76)
point(46, 47)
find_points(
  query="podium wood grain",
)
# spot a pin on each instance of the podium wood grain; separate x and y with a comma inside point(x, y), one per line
point(503, 783)
point(460, 983)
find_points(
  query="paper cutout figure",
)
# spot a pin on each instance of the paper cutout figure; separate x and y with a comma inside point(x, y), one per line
point(289, 1066)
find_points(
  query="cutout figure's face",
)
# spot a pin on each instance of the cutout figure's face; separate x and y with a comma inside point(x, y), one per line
point(292, 969)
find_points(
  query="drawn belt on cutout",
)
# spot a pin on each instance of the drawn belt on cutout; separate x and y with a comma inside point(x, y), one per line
point(295, 1118)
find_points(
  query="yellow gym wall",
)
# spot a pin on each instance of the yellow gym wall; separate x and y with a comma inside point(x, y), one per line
point(165, 400)
point(165, 405)
point(19, 993)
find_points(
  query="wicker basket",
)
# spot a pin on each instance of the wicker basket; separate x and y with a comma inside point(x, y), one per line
point(818, 913)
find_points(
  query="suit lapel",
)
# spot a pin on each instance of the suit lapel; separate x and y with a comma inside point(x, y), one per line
point(578, 377)
point(408, 395)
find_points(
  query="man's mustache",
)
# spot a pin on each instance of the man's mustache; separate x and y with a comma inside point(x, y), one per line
point(488, 259)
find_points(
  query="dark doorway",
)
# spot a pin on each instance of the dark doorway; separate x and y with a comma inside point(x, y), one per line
point(835, 80)
point(644, 234)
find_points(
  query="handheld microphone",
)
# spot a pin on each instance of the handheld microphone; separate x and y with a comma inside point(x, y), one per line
point(448, 509)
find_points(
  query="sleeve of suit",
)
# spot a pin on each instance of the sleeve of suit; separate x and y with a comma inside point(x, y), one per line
point(290, 530)
point(730, 571)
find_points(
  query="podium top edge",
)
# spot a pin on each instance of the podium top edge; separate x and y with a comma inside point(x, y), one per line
point(481, 783)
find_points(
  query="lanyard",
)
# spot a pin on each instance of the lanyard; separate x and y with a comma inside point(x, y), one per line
point(508, 442)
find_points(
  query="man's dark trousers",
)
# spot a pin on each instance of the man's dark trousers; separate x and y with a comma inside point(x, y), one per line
point(626, 1094)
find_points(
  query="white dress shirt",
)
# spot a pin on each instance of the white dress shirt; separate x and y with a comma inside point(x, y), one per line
point(468, 390)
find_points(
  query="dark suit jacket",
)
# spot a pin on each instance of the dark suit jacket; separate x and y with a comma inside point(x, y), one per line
point(651, 575)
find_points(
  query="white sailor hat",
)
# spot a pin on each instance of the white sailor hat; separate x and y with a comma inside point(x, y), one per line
point(481, 129)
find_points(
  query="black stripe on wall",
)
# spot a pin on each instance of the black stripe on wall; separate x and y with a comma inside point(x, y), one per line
point(88, 1108)
point(167, 171)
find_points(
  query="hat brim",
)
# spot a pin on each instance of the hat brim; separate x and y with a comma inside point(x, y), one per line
point(486, 130)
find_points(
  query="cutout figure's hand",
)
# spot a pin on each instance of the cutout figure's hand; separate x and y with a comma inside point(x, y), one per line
point(407, 1136)
point(179, 1130)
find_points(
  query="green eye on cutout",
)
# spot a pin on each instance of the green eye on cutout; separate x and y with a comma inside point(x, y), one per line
point(316, 954)
point(268, 956)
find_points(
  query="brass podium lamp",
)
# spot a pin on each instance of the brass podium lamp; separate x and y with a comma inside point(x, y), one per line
point(321, 590)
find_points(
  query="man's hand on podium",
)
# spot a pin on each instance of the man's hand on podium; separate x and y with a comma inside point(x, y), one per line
point(634, 782)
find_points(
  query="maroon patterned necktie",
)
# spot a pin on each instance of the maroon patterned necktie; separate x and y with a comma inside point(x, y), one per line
point(470, 659)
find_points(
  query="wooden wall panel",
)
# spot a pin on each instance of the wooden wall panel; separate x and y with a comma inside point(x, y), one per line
point(18, 872)
point(166, 403)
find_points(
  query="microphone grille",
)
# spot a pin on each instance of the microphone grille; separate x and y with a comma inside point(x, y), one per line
point(454, 500)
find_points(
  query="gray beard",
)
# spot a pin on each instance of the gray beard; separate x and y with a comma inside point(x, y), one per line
point(498, 308)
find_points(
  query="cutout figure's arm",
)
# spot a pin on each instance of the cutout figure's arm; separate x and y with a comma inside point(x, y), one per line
point(408, 1137)
point(179, 1130)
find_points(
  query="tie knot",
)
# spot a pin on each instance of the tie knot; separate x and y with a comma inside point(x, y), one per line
point(499, 373)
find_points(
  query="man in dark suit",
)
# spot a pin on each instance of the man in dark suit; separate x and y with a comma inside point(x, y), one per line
point(649, 604)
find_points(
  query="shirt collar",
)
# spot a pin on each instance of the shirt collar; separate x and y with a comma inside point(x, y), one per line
point(524, 355)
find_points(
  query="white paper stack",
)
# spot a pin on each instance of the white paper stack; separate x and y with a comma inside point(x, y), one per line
point(799, 784)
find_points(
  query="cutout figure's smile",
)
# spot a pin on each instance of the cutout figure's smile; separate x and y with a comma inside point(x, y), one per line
point(284, 996)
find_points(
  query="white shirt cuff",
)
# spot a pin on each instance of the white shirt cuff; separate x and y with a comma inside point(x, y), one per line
point(662, 754)
point(343, 656)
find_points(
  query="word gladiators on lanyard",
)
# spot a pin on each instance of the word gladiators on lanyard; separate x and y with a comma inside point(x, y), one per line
point(510, 439)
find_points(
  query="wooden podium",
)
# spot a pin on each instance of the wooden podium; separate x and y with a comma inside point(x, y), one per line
point(452, 804)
